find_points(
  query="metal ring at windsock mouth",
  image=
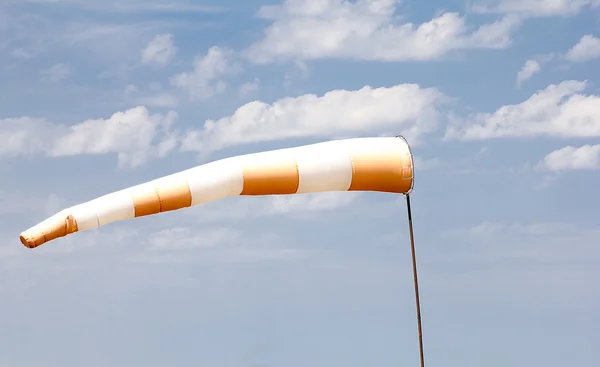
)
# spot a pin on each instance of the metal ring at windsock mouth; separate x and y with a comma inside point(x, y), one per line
point(412, 164)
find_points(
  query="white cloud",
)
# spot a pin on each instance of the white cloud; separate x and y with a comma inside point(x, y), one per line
point(529, 68)
point(488, 228)
point(424, 164)
point(586, 49)
point(302, 206)
point(249, 87)
point(116, 39)
point(298, 71)
point(19, 53)
point(586, 157)
point(131, 6)
point(110, 31)
point(132, 134)
point(310, 202)
point(204, 81)
point(214, 245)
point(169, 6)
point(406, 108)
point(163, 99)
point(56, 73)
point(160, 50)
point(534, 8)
point(130, 89)
point(367, 30)
point(558, 111)
point(16, 202)
point(155, 97)
point(181, 238)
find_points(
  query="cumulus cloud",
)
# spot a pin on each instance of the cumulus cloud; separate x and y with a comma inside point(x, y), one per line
point(160, 50)
point(134, 135)
point(559, 110)
point(530, 68)
point(367, 30)
point(206, 79)
point(586, 157)
point(534, 8)
point(406, 108)
point(586, 49)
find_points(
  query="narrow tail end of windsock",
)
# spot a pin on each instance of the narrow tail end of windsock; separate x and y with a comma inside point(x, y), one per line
point(59, 225)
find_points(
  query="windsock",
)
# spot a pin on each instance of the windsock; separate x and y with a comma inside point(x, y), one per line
point(382, 164)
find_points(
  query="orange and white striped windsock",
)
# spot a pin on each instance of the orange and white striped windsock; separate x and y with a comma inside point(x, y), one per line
point(381, 164)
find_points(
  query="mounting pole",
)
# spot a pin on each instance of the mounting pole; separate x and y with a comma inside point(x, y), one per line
point(414, 265)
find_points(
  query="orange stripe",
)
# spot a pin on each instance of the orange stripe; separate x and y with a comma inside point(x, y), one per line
point(162, 199)
point(59, 229)
point(386, 173)
point(146, 203)
point(174, 197)
point(279, 178)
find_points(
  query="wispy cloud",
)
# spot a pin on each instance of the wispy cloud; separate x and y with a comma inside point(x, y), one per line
point(301, 206)
point(18, 202)
point(534, 8)
point(496, 242)
point(56, 73)
point(423, 164)
point(131, 6)
point(488, 228)
point(249, 87)
point(38, 31)
point(310, 203)
point(160, 50)
point(182, 238)
point(530, 68)
point(215, 245)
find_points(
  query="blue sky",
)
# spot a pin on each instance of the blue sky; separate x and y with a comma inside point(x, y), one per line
point(499, 100)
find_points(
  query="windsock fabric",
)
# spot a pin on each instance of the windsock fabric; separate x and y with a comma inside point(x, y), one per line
point(382, 164)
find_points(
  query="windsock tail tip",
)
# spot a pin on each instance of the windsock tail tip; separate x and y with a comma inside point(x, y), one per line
point(27, 241)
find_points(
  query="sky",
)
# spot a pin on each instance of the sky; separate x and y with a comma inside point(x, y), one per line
point(499, 100)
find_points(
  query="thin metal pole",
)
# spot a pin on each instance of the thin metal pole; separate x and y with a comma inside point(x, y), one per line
point(414, 265)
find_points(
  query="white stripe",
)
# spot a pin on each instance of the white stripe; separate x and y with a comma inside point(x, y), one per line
point(324, 169)
point(114, 207)
point(85, 215)
point(144, 190)
point(216, 180)
point(379, 146)
point(391, 147)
